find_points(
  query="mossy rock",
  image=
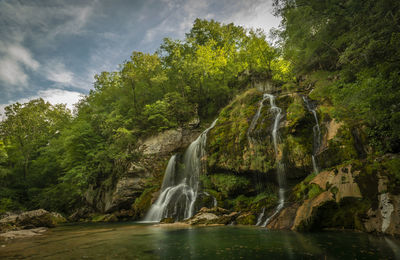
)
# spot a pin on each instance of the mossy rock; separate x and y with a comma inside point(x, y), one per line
point(143, 203)
point(246, 219)
point(230, 184)
point(167, 221)
point(347, 214)
point(104, 218)
point(305, 190)
point(228, 144)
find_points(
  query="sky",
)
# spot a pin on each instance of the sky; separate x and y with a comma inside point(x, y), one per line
point(52, 49)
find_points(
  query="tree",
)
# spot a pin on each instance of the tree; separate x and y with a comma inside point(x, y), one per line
point(28, 127)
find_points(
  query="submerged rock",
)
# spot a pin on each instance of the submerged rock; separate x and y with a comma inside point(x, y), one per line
point(23, 233)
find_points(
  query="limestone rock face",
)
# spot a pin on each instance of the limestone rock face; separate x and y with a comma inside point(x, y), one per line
point(341, 183)
point(285, 218)
point(168, 141)
point(336, 186)
point(127, 189)
point(386, 218)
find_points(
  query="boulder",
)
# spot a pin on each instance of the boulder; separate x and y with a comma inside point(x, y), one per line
point(209, 216)
point(30, 219)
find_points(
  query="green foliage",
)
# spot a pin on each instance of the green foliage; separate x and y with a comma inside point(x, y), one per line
point(171, 111)
point(27, 162)
point(295, 112)
point(248, 219)
point(348, 51)
point(229, 184)
point(306, 190)
point(393, 171)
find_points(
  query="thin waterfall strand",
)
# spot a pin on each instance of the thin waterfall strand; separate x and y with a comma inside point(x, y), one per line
point(280, 166)
point(254, 121)
point(316, 134)
point(260, 217)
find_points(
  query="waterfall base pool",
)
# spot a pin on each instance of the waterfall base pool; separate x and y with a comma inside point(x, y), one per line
point(145, 241)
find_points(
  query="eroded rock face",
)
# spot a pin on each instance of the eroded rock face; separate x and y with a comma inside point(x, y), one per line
point(168, 141)
point(337, 186)
point(285, 219)
point(305, 211)
point(341, 183)
point(386, 218)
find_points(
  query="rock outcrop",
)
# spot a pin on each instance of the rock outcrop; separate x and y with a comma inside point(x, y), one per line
point(212, 216)
point(168, 141)
point(29, 223)
point(340, 203)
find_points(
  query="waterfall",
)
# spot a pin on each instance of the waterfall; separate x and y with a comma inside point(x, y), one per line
point(280, 170)
point(254, 121)
point(316, 134)
point(260, 217)
point(180, 186)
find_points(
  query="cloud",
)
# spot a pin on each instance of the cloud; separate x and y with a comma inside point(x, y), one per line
point(46, 19)
point(56, 71)
point(38, 25)
point(253, 14)
point(53, 96)
point(14, 61)
point(178, 16)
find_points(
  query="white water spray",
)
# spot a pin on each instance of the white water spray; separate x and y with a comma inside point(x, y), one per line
point(180, 187)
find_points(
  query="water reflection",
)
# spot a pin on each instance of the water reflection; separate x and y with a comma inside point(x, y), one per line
point(140, 241)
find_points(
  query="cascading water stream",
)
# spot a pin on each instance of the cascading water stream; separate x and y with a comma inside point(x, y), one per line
point(254, 121)
point(280, 166)
point(180, 187)
point(316, 134)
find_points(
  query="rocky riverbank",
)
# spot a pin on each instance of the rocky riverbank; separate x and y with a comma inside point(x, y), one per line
point(28, 224)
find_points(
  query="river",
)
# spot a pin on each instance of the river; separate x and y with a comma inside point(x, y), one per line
point(145, 241)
